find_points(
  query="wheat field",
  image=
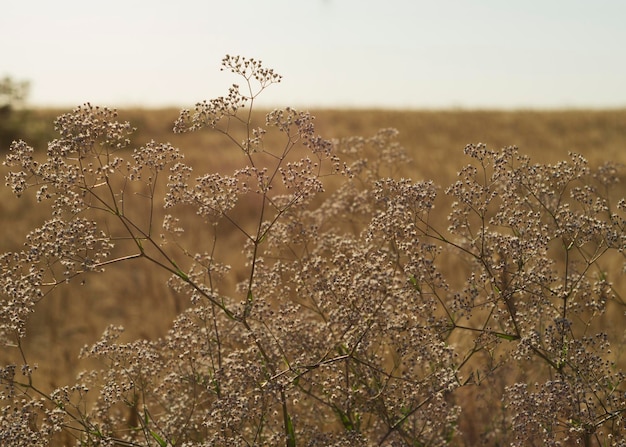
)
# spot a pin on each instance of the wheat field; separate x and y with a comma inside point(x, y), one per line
point(74, 316)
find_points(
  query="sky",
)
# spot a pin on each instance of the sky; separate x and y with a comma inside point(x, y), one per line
point(400, 54)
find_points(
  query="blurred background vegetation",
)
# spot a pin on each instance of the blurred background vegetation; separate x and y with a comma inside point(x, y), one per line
point(17, 121)
point(434, 139)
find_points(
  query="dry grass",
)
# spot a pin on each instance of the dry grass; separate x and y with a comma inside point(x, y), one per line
point(76, 315)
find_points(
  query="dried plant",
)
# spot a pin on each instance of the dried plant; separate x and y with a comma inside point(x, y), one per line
point(363, 319)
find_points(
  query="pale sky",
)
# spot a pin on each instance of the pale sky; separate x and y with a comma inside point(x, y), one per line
point(331, 53)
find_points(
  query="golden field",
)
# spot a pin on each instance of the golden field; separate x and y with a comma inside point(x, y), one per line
point(76, 315)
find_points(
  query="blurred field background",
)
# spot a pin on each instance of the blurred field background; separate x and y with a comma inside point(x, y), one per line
point(137, 298)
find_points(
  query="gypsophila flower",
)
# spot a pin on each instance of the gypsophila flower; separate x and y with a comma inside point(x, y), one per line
point(352, 315)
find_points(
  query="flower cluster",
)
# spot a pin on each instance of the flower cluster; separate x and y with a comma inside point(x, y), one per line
point(357, 316)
